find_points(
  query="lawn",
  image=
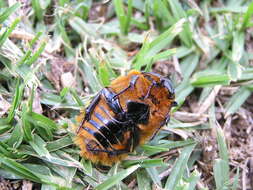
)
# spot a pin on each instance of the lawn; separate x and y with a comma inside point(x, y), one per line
point(56, 55)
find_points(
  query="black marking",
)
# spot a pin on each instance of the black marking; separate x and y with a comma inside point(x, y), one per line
point(167, 119)
point(99, 137)
point(138, 112)
point(107, 113)
point(115, 126)
point(105, 132)
point(108, 130)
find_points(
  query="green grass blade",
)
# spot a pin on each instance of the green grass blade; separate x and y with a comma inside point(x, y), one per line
point(221, 172)
point(16, 137)
point(16, 101)
point(210, 80)
point(6, 34)
point(237, 100)
point(179, 168)
point(43, 121)
point(59, 144)
point(237, 46)
point(145, 163)
point(143, 180)
point(111, 181)
point(223, 151)
point(236, 180)
point(154, 175)
point(193, 180)
point(36, 55)
point(8, 12)
point(221, 166)
point(124, 19)
point(234, 71)
point(18, 169)
point(152, 48)
point(27, 128)
point(179, 13)
point(247, 17)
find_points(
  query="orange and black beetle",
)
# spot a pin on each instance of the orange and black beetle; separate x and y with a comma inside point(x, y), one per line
point(124, 115)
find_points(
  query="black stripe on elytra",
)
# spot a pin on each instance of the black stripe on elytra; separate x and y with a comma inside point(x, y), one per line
point(105, 132)
point(107, 125)
point(100, 138)
point(117, 127)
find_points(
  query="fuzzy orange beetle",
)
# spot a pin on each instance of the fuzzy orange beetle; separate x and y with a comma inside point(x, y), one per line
point(124, 115)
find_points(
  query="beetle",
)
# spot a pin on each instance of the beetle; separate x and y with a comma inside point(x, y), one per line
point(127, 113)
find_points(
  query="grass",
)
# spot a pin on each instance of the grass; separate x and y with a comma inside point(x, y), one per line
point(41, 42)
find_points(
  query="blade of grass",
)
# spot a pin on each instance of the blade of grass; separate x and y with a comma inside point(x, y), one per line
point(124, 19)
point(6, 34)
point(210, 80)
point(236, 180)
point(237, 100)
point(150, 49)
point(179, 13)
point(221, 165)
point(193, 180)
point(237, 46)
point(16, 137)
point(154, 175)
point(111, 181)
point(247, 17)
point(8, 12)
point(16, 101)
point(221, 171)
point(179, 168)
point(143, 180)
point(59, 144)
point(145, 163)
point(36, 55)
point(18, 169)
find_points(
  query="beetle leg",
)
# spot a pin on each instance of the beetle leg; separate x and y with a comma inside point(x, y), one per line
point(134, 137)
point(149, 90)
point(90, 109)
point(168, 85)
point(131, 85)
point(165, 122)
point(156, 131)
point(111, 101)
point(92, 106)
